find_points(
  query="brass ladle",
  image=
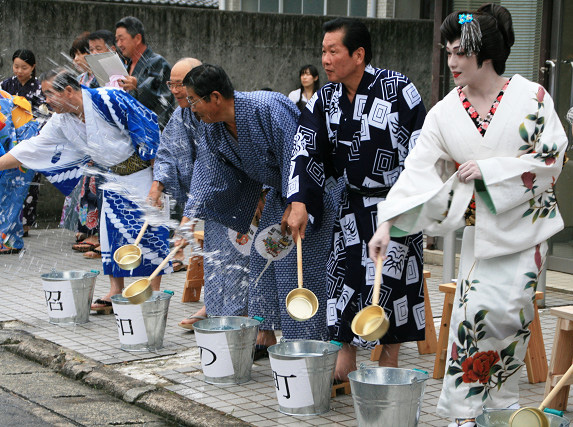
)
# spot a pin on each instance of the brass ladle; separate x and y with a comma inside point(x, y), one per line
point(140, 290)
point(534, 417)
point(371, 323)
point(301, 304)
point(128, 257)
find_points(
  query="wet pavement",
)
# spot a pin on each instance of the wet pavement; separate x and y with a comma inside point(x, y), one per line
point(176, 367)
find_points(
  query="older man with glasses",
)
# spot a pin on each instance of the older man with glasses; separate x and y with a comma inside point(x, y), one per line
point(225, 260)
point(246, 145)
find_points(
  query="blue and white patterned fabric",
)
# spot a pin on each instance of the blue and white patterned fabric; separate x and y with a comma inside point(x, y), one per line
point(176, 155)
point(14, 183)
point(107, 137)
point(225, 268)
point(123, 111)
point(227, 182)
point(364, 142)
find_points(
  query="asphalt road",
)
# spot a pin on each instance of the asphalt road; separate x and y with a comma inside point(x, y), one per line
point(32, 395)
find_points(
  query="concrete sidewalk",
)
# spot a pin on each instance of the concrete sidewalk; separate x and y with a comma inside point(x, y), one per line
point(91, 351)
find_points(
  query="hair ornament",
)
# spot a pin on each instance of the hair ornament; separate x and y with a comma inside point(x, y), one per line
point(470, 40)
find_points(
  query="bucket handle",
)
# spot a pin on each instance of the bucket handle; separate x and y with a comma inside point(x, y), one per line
point(419, 380)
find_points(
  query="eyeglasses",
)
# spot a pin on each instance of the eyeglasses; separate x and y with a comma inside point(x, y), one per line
point(192, 102)
point(174, 85)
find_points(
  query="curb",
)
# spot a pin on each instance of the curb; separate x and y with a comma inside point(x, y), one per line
point(76, 366)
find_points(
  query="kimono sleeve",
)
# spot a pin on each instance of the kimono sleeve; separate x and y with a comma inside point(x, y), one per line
point(412, 113)
point(140, 122)
point(52, 154)
point(511, 181)
point(427, 194)
point(307, 173)
point(221, 193)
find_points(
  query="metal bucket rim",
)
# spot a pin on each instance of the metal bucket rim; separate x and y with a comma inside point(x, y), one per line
point(480, 419)
point(352, 376)
point(331, 349)
point(120, 299)
point(253, 323)
point(50, 277)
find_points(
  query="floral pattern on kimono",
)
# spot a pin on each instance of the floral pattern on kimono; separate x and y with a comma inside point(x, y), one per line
point(520, 158)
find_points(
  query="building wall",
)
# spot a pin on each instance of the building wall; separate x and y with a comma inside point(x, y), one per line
point(257, 50)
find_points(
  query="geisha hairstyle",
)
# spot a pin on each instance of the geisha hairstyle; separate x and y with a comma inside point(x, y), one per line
point(496, 29)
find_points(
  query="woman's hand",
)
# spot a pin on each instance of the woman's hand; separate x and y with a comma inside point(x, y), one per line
point(469, 171)
point(378, 245)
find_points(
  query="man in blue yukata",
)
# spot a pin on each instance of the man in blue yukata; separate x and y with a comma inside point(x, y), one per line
point(245, 143)
point(120, 136)
point(225, 261)
point(360, 126)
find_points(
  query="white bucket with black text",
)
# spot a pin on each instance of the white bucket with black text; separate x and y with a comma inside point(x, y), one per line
point(227, 348)
point(387, 396)
point(141, 327)
point(69, 295)
point(303, 372)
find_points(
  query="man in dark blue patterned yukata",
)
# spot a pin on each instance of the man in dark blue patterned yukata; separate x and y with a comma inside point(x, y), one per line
point(360, 126)
point(245, 144)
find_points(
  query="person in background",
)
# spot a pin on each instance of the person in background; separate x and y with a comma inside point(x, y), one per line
point(80, 48)
point(24, 83)
point(148, 71)
point(309, 84)
point(507, 143)
point(101, 41)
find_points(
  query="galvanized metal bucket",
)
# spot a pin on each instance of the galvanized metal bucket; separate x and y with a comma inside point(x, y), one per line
point(227, 346)
point(303, 372)
point(500, 417)
point(69, 295)
point(141, 327)
point(387, 396)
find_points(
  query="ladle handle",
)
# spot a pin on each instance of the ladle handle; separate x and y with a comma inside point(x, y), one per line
point(299, 261)
point(377, 280)
point(557, 388)
point(164, 262)
point(140, 235)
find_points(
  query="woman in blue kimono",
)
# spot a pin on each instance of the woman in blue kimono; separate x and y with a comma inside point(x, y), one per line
point(16, 124)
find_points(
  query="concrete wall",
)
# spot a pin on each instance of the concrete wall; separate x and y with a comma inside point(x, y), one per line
point(257, 50)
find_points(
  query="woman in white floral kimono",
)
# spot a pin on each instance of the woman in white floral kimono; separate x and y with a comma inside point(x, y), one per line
point(507, 143)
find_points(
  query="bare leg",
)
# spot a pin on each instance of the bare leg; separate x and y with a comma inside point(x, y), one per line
point(156, 283)
point(266, 337)
point(346, 362)
point(116, 287)
point(389, 355)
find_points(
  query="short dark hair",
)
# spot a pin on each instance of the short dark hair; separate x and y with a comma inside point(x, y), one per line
point(28, 57)
point(206, 79)
point(133, 26)
point(62, 78)
point(355, 35)
point(80, 44)
point(497, 35)
point(105, 35)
